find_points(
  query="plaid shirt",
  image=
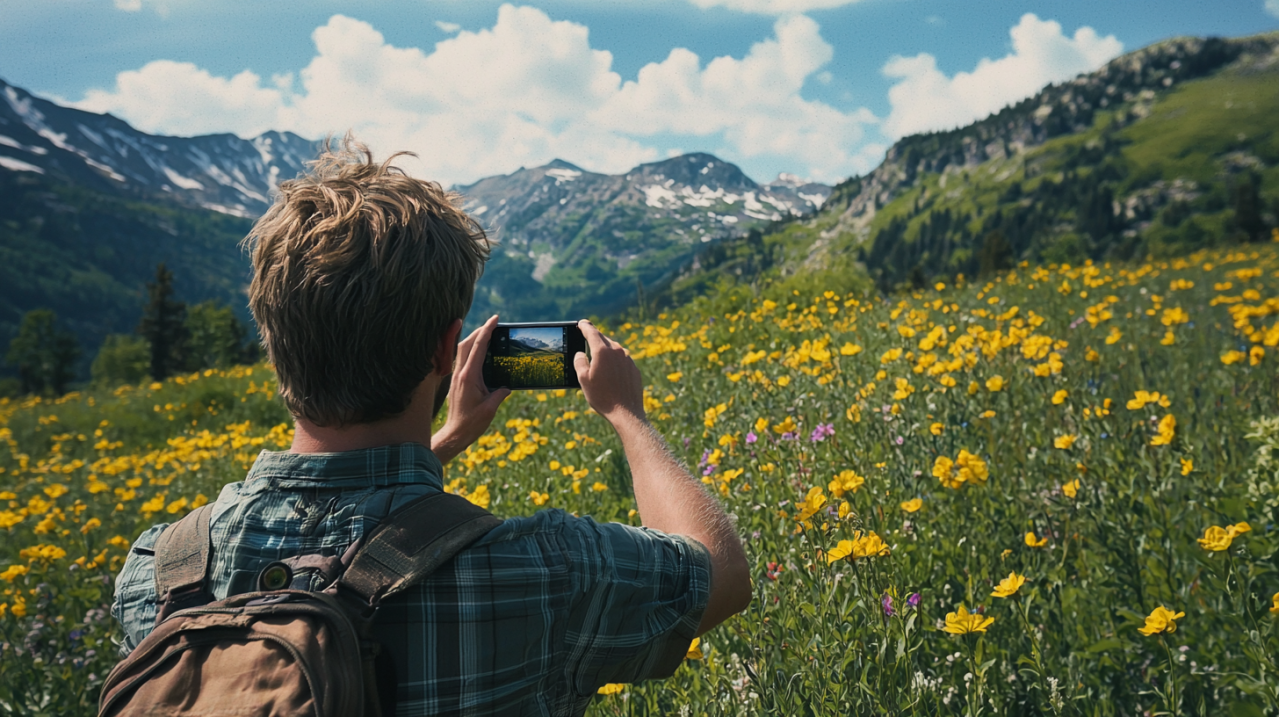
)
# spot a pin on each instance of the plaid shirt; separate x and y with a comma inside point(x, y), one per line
point(530, 620)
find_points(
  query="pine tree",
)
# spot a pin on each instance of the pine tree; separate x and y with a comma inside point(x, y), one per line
point(216, 338)
point(163, 325)
point(1247, 220)
point(44, 355)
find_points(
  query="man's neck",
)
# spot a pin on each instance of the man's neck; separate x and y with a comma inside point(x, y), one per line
point(411, 426)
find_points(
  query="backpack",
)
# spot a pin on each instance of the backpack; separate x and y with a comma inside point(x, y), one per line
point(300, 644)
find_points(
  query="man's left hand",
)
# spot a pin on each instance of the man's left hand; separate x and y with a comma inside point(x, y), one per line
point(472, 405)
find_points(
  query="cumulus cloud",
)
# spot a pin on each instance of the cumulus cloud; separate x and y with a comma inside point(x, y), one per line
point(1272, 7)
point(924, 99)
point(522, 92)
point(777, 7)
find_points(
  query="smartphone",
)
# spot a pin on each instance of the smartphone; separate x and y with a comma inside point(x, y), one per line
point(533, 355)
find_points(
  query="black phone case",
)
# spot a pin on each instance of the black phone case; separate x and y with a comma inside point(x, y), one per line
point(496, 376)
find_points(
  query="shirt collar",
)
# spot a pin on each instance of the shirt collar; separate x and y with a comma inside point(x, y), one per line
point(364, 468)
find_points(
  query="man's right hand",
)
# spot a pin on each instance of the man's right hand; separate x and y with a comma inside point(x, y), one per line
point(610, 379)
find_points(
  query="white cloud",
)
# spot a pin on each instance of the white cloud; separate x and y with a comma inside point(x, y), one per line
point(180, 98)
point(776, 7)
point(449, 27)
point(523, 92)
point(1272, 7)
point(128, 5)
point(925, 99)
point(755, 101)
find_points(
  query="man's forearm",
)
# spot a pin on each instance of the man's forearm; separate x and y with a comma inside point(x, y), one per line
point(671, 500)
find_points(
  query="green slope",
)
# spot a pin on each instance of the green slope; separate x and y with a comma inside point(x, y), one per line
point(88, 256)
point(1159, 171)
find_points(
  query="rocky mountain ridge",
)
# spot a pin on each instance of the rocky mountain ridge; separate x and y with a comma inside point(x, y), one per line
point(220, 172)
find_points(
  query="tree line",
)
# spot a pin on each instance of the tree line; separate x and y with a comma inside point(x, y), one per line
point(171, 338)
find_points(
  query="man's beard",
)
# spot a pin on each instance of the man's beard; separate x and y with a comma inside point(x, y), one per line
point(441, 393)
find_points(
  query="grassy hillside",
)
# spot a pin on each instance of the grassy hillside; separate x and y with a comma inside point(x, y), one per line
point(1162, 169)
point(88, 256)
point(890, 463)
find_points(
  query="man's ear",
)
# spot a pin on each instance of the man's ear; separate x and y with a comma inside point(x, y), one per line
point(442, 361)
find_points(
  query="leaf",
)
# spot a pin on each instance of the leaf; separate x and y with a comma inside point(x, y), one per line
point(1108, 643)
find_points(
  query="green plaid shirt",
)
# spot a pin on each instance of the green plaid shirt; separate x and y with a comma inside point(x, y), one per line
point(530, 620)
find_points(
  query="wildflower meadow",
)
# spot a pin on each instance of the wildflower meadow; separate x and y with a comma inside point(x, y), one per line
point(1046, 492)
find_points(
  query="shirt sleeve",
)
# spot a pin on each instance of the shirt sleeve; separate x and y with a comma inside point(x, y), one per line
point(640, 600)
point(134, 606)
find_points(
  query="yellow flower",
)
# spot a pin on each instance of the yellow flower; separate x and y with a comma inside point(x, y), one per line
point(971, 468)
point(973, 388)
point(1165, 432)
point(599, 487)
point(849, 349)
point(1034, 542)
point(1064, 442)
point(987, 414)
point(786, 426)
point(538, 498)
point(1255, 355)
point(846, 482)
point(964, 622)
point(1009, 585)
point(995, 383)
point(674, 377)
point(1187, 465)
point(943, 470)
point(936, 429)
point(1071, 488)
point(1275, 608)
point(694, 650)
point(1238, 529)
point(912, 505)
point(1161, 619)
point(870, 546)
point(1216, 539)
point(611, 688)
point(555, 465)
point(842, 550)
point(1169, 339)
point(570, 445)
point(1059, 397)
point(1233, 357)
point(13, 572)
point(761, 425)
point(844, 510)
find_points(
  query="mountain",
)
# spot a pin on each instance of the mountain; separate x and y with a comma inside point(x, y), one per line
point(104, 153)
point(92, 204)
point(1163, 150)
point(574, 243)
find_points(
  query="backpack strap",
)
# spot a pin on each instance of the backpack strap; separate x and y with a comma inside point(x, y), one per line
point(412, 543)
point(181, 561)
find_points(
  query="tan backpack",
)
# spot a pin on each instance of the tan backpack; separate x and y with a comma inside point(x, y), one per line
point(299, 645)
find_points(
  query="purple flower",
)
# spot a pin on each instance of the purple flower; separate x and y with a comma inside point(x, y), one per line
point(887, 602)
point(751, 437)
point(913, 600)
point(790, 436)
point(822, 432)
point(686, 441)
point(899, 440)
point(709, 470)
point(705, 454)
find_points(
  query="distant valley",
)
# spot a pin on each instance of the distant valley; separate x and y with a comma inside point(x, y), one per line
point(1163, 150)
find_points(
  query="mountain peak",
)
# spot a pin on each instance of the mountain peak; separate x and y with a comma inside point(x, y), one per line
point(696, 169)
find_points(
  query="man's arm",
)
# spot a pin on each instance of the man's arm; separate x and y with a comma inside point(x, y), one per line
point(669, 498)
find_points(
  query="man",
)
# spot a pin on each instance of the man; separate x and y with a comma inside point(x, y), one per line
point(361, 278)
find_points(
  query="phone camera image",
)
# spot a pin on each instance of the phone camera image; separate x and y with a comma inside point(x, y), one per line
point(527, 357)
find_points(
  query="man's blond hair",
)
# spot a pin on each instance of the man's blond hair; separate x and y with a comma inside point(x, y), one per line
point(358, 270)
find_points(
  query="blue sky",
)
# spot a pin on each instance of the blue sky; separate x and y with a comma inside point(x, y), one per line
point(815, 87)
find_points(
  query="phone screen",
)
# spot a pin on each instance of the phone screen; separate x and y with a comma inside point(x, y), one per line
point(540, 355)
